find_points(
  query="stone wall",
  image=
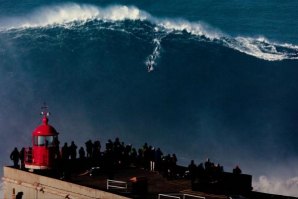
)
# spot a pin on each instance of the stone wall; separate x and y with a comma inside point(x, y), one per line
point(34, 186)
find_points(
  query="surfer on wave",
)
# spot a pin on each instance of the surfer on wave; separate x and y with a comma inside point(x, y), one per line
point(150, 63)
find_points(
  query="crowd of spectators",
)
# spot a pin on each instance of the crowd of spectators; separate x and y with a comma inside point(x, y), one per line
point(116, 155)
point(207, 170)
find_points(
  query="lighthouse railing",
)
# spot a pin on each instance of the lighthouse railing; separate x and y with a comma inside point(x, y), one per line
point(28, 155)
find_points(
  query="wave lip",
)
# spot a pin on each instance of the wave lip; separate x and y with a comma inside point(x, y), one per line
point(72, 12)
point(198, 29)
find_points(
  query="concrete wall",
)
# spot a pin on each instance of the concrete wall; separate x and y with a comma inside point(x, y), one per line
point(40, 187)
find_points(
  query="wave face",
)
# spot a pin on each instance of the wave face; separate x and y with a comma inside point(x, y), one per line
point(74, 15)
point(178, 84)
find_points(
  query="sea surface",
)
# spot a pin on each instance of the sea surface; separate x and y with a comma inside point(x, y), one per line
point(198, 78)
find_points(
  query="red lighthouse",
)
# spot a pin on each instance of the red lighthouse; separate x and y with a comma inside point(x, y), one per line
point(45, 146)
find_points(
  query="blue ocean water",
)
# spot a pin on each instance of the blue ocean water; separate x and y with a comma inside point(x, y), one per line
point(223, 82)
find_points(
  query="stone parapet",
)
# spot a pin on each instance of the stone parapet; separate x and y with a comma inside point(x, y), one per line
point(33, 186)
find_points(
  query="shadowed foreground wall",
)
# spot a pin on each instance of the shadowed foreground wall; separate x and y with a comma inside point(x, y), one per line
point(35, 186)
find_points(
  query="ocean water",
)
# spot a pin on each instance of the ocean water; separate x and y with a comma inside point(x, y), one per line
point(222, 81)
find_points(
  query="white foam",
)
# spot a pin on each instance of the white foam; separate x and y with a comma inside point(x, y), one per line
point(257, 48)
point(66, 14)
point(288, 187)
point(151, 60)
point(72, 12)
point(195, 28)
point(267, 50)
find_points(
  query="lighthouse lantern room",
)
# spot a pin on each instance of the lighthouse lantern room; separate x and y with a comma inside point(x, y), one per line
point(45, 146)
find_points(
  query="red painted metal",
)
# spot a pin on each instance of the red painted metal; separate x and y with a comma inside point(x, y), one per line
point(44, 129)
point(42, 154)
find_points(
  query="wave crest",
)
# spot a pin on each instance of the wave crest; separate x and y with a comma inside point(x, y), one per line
point(199, 28)
point(71, 14)
point(67, 13)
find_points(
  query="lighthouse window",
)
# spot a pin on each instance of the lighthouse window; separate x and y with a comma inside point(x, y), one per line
point(44, 140)
point(49, 140)
point(39, 140)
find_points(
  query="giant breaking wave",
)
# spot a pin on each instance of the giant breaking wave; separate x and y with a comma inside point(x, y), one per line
point(74, 15)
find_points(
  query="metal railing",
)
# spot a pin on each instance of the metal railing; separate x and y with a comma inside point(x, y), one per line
point(179, 196)
point(192, 196)
point(28, 156)
point(168, 196)
point(114, 184)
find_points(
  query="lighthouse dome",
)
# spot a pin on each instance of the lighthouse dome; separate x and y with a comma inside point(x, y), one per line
point(45, 129)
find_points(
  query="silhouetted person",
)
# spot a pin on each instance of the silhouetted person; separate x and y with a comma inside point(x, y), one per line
point(65, 152)
point(208, 166)
point(146, 156)
point(117, 148)
point(126, 157)
point(89, 146)
point(134, 156)
point(158, 158)
point(22, 158)
point(166, 162)
point(56, 144)
point(192, 167)
point(109, 164)
point(152, 158)
point(19, 195)
point(200, 170)
point(81, 153)
point(73, 151)
point(237, 170)
point(219, 168)
point(15, 157)
point(140, 158)
point(173, 165)
point(174, 160)
point(96, 150)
